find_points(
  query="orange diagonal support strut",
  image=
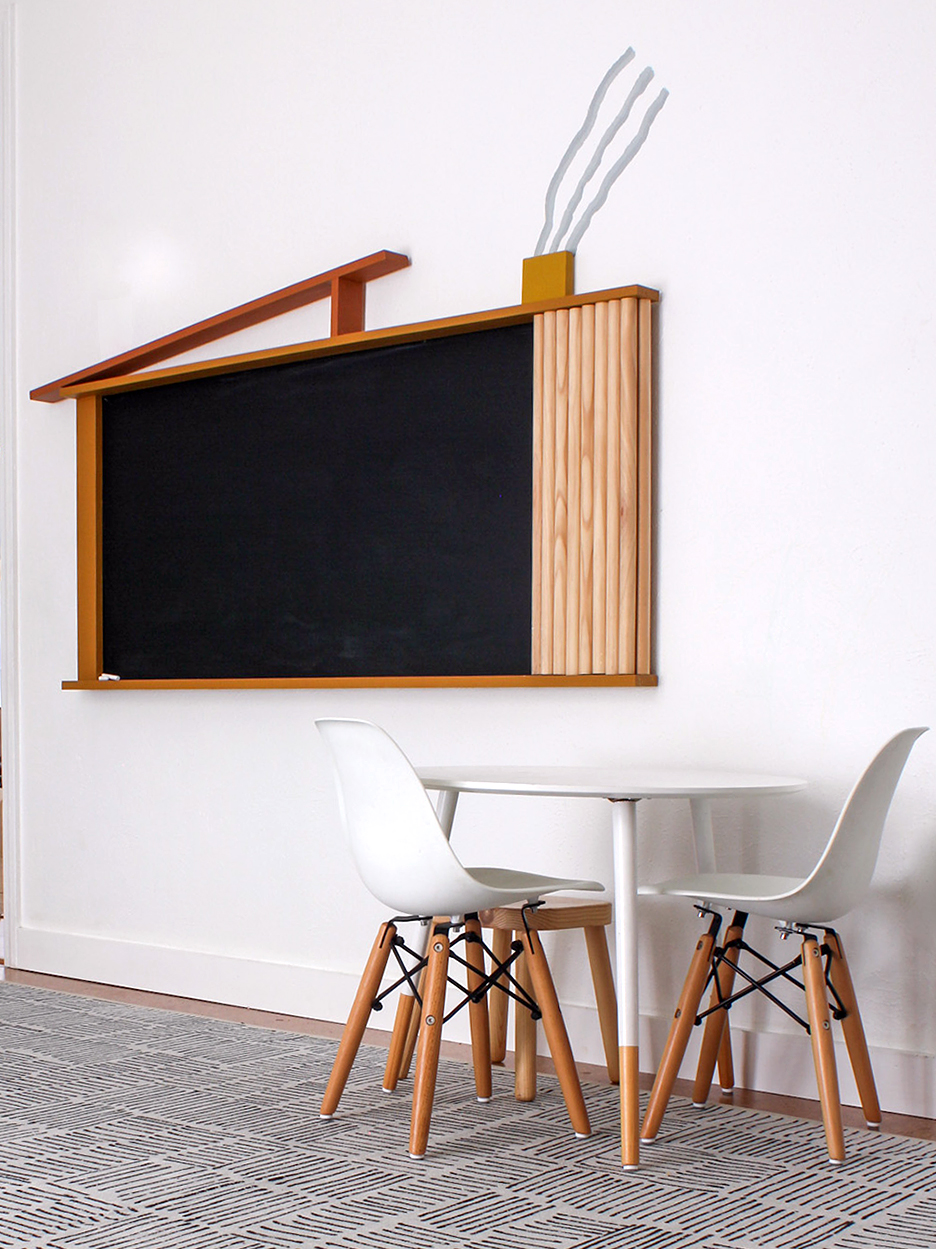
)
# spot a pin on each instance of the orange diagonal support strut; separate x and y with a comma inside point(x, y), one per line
point(345, 285)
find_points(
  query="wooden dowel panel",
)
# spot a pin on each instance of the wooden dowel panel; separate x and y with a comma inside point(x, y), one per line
point(592, 489)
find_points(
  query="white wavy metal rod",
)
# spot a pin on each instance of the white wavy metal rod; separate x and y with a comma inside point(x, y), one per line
point(615, 171)
point(639, 87)
point(552, 190)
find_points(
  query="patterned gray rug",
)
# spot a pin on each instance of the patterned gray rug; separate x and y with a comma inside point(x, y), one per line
point(129, 1128)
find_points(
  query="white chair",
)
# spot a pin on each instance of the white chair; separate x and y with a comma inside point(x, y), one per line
point(405, 860)
point(836, 884)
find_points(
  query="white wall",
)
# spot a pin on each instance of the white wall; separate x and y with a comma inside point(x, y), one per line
point(175, 159)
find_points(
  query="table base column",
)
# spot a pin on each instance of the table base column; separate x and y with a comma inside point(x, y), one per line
point(624, 832)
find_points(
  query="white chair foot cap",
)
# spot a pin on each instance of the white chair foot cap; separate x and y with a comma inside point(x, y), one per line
point(728, 1092)
point(647, 1140)
point(384, 1089)
point(326, 1116)
point(699, 1105)
point(630, 1166)
point(484, 1099)
point(415, 1157)
point(582, 1136)
point(836, 1162)
point(873, 1126)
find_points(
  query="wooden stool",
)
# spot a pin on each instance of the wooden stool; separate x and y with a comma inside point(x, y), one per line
point(554, 914)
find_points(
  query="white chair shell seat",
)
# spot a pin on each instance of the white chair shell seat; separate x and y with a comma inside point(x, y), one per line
point(405, 859)
point(757, 895)
point(506, 886)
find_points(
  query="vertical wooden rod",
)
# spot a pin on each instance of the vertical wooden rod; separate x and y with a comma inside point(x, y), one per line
point(600, 493)
point(586, 493)
point(627, 622)
point(613, 488)
point(561, 530)
point(536, 640)
point(574, 542)
point(644, 488)
point(548, 536)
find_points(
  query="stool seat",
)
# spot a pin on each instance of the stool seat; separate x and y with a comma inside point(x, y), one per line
point(555, 914)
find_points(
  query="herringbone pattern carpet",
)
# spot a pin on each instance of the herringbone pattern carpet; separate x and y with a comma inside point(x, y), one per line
point(123, 1127)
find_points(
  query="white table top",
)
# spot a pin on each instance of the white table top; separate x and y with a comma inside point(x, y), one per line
point(625, 783)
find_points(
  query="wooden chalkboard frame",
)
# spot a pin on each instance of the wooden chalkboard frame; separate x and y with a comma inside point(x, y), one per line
point(89, 395)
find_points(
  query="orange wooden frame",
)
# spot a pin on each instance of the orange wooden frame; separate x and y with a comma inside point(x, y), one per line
point(344, 285)
point(89, 386)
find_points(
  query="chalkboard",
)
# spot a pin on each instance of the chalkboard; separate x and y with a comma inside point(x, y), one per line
point(357, 515)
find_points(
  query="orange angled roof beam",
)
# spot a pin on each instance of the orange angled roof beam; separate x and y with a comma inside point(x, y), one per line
point(344, 285)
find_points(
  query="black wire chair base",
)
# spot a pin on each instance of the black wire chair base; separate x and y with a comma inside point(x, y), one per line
point(777, 972)
point(500, 977)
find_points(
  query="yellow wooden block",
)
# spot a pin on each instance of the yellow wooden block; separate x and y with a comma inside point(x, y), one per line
point(548, 277)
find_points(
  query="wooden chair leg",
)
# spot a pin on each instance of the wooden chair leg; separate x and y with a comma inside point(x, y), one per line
point(820, 1031)
point(368, 989)
point(498, 1001)
point(478, 1011)
point(524, 1038)
point(854, 1032)
point(716, 1026)
point(430, 1039)
point(409, 1048)
point(599, 960)
point(678, 1039)
point(556, 1035)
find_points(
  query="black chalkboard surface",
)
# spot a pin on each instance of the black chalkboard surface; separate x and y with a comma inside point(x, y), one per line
point(358, 515)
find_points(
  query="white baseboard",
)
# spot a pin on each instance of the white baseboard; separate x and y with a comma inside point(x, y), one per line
point(771, 1062)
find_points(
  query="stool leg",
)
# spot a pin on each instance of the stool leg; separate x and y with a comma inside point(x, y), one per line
point(478, 1011)
point(368, 989)
point(854, 1032)
point(412, 1032)
point(602, 978)
point(820, 1032)
point(401, 1026)
point(524, 1038)
point(681, 1027)
point(726, 1060)
point(430, 1039)
point(556, 1035)
point(498, 1001)
point(716, 1025)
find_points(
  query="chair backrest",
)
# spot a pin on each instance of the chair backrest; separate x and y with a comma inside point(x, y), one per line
point(842, 876)
point(399, 848)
